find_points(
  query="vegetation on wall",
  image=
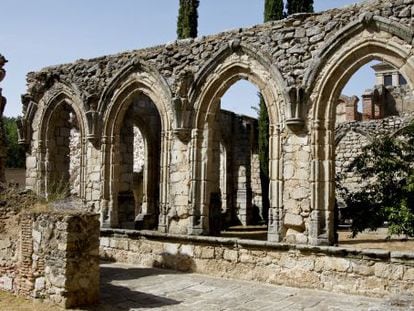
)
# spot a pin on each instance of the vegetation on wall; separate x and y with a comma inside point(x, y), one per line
point(187, 21)
point(299, 6)
point(387, 196)
point(15, 152)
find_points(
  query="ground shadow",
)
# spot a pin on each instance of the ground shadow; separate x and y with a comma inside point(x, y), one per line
point(121, 297)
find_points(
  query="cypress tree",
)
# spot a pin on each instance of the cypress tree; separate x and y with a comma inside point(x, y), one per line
point(273, 10)
point(263, 142)
point(299, 6)
point(187, 19)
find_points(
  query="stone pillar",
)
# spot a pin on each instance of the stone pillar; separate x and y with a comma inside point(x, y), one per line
point(164, 182)
point(367, 105)
point(351, 109)
point(321, 227)
point(196, 226)
point(275, 227)
point(395, 78)
point(3, 147)
point(59, 259)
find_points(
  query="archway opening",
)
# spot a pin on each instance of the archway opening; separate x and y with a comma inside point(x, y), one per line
point(239, 200)
point(138, 162)
point(64, 154)
point(377, 100)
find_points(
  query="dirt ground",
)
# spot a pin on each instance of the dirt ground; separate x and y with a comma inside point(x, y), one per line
point(16, 175)
point(369, 239)
point(376, 239)
point(9, 302)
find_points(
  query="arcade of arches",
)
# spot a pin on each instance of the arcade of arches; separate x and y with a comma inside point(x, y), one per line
point(86, 120)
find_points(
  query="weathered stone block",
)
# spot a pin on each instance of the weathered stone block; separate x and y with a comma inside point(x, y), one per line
point(6, 283)
point(231, 255)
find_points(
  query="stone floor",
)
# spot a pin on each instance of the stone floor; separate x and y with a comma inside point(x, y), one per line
point(126, 287)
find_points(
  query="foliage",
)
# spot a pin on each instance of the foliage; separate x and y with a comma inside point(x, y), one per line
point(387, 194)
point(263, 141)
point(187, 19)
point(15, 152)
point(263, 121)
point(299, 6)
point(273, 10)
point(58, 190)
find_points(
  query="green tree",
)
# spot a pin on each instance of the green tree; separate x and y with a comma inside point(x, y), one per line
point(263, 142)
point(187, 19)
point(387, 166)
point(273, 10)
point(15, 152)
point(299, 6)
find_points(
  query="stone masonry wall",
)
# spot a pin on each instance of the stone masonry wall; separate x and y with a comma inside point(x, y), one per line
point(351, 137)
point(57, 259)
point(242, 175)
point(291, 61)
point(376, 273)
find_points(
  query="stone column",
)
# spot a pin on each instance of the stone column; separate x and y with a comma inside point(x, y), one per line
point(196, 221)
point(321, 228)
point(104, 204)
point(274, 233)
point(164, 182)
point(3, 147)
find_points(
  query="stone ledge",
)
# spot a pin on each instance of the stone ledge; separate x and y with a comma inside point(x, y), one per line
point(368, 254)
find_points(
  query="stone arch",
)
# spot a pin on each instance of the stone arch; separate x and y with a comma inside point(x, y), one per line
point(366, 22)
point(356, 45)
point(136, 79)
point(406, 124)
point(230, 64)
point(48, 108)
point(341, 133)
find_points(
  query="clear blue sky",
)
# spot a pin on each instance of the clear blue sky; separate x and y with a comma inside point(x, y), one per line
point(39, 33)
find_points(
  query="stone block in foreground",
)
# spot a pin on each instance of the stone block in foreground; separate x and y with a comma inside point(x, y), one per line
point(59, 259)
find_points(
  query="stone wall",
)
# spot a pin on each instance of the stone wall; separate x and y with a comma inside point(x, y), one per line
point(240, 172)
point(300, 65)
point(56, 258)
point(351, 137)
point(376, 273)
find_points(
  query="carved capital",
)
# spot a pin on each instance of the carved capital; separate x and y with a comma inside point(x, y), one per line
point(183, 134)
point(296, 107)
point(22, 131)
point(92, 118)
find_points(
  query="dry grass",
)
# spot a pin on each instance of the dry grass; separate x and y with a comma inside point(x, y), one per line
point(9, 302)
point(376, 240)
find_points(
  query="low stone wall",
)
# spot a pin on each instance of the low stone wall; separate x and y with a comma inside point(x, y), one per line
point(377, 273)
point(57, 260)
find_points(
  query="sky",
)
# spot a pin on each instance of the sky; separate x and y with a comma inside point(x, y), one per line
point(40, 33)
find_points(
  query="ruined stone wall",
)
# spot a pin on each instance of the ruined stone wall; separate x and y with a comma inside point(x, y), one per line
point(376, 273)
point(56, 259)
point(296, 64)
point(242, 175)
point(351, 137)
point(399, 99)
point(138, 168)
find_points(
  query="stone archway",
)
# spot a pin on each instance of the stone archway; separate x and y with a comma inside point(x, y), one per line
point(133, 101)
point(355, 47)
point(59, 136)
point(225, 70)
